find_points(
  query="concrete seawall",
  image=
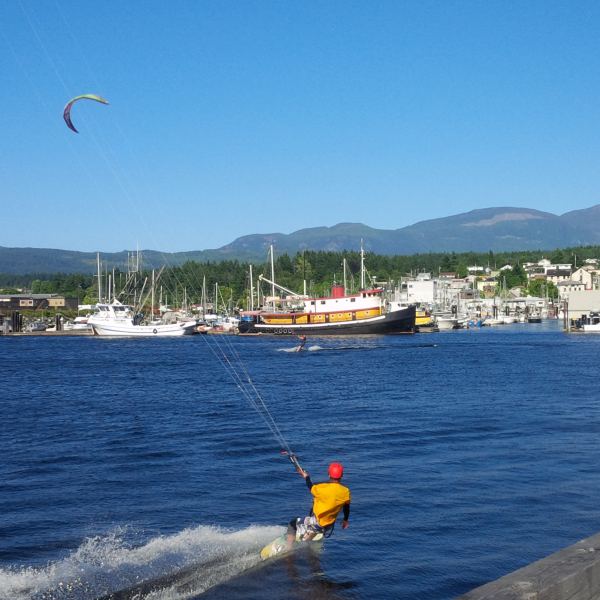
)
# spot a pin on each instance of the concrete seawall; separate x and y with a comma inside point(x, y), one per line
point(570, 574)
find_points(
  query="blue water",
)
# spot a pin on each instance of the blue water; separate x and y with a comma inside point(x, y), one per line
point(137, 468)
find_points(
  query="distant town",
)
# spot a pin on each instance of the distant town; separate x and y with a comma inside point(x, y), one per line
point(469, 294)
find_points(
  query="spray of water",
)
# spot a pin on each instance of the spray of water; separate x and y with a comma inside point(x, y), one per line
point(170, 567)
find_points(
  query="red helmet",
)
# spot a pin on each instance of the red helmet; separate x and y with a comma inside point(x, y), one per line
point(336, 470)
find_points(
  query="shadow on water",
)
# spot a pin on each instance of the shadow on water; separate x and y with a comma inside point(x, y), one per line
point(297, 576)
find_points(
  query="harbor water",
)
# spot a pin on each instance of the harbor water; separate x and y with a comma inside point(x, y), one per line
point(135, 468)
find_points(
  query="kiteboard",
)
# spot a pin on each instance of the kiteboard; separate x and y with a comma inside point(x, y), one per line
point(279, 545)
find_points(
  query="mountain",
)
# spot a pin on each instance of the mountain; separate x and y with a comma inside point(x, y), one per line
point(497, 229)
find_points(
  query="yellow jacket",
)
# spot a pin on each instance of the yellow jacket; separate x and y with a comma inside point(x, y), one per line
point(329, 499)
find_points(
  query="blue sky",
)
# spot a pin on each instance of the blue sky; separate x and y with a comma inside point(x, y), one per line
point(230, 118)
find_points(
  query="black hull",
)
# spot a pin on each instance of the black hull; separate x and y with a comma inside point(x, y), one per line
point(398, 321)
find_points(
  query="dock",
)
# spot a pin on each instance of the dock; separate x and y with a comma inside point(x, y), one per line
point(68, 333)
point(569, 574)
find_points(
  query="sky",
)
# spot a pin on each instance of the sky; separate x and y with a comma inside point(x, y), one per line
point(233, 118)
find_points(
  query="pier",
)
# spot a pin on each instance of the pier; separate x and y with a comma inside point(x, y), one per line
point(569, 574)
point(65, 333)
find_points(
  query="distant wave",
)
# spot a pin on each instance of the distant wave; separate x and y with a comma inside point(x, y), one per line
point(334, 348)
point(170, 567)
point(308, 349)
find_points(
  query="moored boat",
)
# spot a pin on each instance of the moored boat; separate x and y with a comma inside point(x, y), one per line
point(446, 321)
point(365, 312)
point(118, 319)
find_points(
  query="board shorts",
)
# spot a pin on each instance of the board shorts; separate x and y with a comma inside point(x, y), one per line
point(302, 526)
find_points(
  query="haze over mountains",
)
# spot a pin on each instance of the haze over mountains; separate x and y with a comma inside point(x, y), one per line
point(497, 229)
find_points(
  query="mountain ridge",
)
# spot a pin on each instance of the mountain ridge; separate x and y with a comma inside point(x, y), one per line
point(496, 229)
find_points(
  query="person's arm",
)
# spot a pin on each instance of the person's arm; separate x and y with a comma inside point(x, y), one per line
point(306, 476)
point(345, 523)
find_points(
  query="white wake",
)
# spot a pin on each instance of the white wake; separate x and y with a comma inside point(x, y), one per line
point(171, 567)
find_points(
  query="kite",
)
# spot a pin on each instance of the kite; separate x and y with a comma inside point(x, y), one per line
point(67, 110)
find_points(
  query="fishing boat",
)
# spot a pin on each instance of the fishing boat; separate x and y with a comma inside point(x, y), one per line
point(118, 319)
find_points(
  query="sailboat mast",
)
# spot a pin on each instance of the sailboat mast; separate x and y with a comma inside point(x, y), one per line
point(362, 266)
point(345, 281)
point(304, 270)
point(251, 290)
point(272, 277)
point(99, 277)
point(152, 300)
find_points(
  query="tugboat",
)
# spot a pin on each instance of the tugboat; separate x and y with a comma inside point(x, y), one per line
point(366, 311)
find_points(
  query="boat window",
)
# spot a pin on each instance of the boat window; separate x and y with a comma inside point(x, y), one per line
point(312, 302)
point(352, 299)
point(322, 301)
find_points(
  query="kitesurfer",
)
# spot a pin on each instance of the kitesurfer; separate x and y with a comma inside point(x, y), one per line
point(329, 498)
point(302, 339)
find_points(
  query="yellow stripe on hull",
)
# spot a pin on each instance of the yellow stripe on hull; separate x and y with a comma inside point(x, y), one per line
point(316, 318)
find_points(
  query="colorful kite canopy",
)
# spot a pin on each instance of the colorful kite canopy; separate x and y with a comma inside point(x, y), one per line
point(67, 110)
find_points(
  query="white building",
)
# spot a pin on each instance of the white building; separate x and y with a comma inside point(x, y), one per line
point(558, 275)
point(545, 266)
point(566, 288)
point(585, 276)
point(420, 290)
point(583, 303)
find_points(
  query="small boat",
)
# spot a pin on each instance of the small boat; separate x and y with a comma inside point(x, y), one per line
point(424, 321)
point(591, 324)
point(80, 322)
point(118, 319)
point(476, 322)
point(37, 326)
point(494, 321)
point(446, 321)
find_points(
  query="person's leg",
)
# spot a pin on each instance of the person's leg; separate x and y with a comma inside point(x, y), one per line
point(291, 532)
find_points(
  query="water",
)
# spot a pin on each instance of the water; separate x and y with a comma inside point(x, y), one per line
point(136, 469)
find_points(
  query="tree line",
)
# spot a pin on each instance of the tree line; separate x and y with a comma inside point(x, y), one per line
point(318, 268)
